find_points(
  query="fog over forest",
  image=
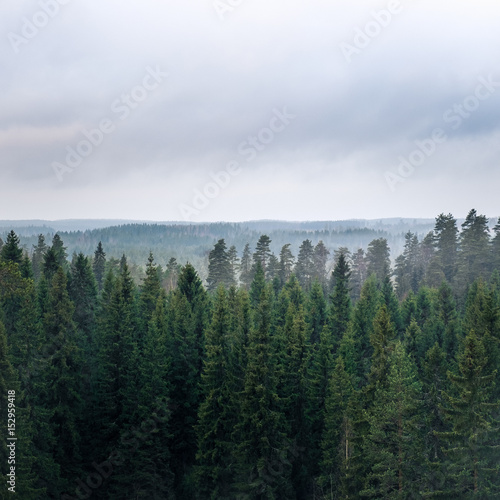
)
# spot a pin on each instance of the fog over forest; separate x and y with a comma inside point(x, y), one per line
point(249, 250)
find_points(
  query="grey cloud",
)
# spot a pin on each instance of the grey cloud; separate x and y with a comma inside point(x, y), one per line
point(224, 80)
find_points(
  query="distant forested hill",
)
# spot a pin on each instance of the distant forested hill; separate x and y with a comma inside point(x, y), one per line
point(192, 242)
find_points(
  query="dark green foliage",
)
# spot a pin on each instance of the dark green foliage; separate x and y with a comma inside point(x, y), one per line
point(446, 241)
point(448, 328)
point(50, 264)
point(285, 264)
point(471, 445)
point(262, 391)
point(409, 266)
point(359, 273)
point(218, 411)
point(16, 449)
point(150, 293)
point(246, 274)
point(258, 284)
point(434, 383)
point(263, 470)
point(57, 401)
point(262, 254)
point(393, 447)
point(382, 340)
point(338, 428)
point(473, 259)
point(151, 472)
point(319, 370)
point(83, 293)
point(304, 269)
point(292, 361)
point(59, 250)
point(362, 322)
point(495, 247)
point(232, 255)
point(390, 300)
point(99, 265)
point(11, 251)
point(316, 312)
point(220, 269)
point(187, 319)
point(340, 309)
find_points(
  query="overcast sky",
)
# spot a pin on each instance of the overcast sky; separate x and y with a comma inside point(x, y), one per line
point(248, 109)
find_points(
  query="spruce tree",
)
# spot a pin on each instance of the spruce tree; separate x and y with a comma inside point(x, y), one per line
point(117, 380)
point(446, 241)
point(482, 314)
point(434, 383)
point(382, 340)
point(150, 291)
point(472, 444)
point(99, 265)
point(258, 284)
point(59, 251)
point(83, 293)
point(292, 361)
point(320, 258)
point(340, 309)
point(409, 269)
point(217, 412)
point(246, 274)
point(304, 269)
point(232, 255)
point(57, 407)
point(285, 264)
point(37, 258)
point(390, 300)
point(187, 320)
point(359, 273)
point(448, 327)
point(151, 475)
point(336, 444)
point(220, 270)
point(473, 258)
point(378, 259)
point(263, 253)
point(362, 322)
point(50, 264)
point(11, 250)
point(316, 312)
point(495, 247)
point(263, 465)
point(319, 370)
point(15, 413)
point(393, 446)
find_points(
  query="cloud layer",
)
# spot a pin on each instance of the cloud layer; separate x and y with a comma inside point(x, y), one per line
point(141, 105)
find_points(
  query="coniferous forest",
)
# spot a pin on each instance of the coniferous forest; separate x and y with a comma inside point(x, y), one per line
point(271, 379)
